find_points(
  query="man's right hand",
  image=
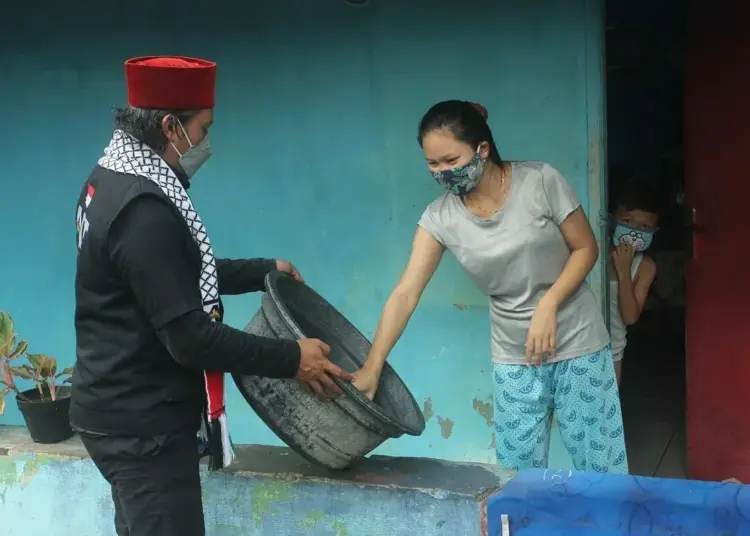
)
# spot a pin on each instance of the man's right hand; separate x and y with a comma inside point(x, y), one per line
point(315, 368)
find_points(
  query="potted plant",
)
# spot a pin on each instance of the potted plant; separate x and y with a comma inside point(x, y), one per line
point(45, 406)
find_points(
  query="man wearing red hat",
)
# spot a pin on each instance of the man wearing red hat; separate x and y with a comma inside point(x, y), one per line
point(151, 348)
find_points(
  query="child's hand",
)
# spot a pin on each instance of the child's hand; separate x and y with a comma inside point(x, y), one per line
point(622, 258)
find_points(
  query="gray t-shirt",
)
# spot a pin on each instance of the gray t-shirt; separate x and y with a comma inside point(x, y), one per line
point(515, 256)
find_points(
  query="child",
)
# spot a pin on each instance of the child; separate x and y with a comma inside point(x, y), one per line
point(631, 272)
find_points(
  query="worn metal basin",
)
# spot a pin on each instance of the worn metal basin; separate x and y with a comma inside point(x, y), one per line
point(333, 434)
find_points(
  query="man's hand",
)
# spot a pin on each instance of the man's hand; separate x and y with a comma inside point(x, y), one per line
point(315, 369)
point(288, 268)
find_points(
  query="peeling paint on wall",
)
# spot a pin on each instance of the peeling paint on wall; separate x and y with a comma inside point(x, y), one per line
point(226, 530)
point(17, 473)
point(8, 471)
point(265, 495)
point(446, 427)
point(30, 469)
point(10, 474)
point(316, 519)
point(427, 409)
point(485, 409)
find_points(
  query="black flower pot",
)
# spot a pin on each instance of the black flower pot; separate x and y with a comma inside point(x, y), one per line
point(47, 420)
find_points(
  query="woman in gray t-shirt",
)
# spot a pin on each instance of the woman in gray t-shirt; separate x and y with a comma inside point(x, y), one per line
point(521, 235)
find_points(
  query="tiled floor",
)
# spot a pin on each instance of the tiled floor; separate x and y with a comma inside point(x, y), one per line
point(653, 395)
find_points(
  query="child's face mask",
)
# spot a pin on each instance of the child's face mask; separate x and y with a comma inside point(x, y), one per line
point(639, 239)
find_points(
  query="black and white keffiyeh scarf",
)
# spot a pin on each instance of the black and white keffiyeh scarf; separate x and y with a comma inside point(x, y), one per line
point(132, 157)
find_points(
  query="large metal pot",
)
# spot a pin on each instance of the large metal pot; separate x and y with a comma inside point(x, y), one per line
point(333, 434)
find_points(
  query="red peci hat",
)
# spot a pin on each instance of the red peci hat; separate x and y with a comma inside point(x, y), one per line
point(170, 82)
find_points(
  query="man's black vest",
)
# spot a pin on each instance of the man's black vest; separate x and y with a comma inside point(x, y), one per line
point(124, 381)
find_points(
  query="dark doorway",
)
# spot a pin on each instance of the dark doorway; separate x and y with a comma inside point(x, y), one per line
point(645, 108)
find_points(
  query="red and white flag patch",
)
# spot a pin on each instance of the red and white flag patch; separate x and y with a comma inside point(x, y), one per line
point(90, 191)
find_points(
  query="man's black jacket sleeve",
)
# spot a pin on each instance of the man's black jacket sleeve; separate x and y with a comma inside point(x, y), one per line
point(150, 247)
point(240, 276)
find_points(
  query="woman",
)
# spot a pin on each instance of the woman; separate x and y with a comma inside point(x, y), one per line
point(521, 235)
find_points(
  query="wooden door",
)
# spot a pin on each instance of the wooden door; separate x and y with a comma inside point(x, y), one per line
point(717, 123)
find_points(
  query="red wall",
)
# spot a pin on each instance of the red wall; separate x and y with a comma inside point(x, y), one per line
point(718, 288)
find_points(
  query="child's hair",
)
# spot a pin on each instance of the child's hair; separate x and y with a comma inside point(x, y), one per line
point(634, 190)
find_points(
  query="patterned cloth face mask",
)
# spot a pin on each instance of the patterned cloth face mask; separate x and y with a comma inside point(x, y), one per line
point(639, 239)
point(462, 179)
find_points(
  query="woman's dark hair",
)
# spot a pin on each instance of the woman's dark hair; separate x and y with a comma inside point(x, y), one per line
point(467, 121)
point(145, 124)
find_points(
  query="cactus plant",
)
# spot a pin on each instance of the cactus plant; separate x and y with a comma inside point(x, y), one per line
point(41, 369)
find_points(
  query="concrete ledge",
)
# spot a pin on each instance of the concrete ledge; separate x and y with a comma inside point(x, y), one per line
point(269, 491)
point(565, 503)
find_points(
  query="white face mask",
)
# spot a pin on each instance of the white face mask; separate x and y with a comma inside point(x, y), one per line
point(192, 159)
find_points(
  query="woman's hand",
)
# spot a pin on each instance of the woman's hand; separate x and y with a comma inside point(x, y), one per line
point(366, 380)
point(540, 343)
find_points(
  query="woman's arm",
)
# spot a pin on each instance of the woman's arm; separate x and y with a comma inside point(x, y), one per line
point(633, 294)
point(425, 257)
point(584, 252)
point(542, 338)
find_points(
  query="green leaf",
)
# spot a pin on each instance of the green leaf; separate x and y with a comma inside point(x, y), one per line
point(5, 348)
point(7, 335)
point(49, 367)
point(37, 361)
point(66, 372)
point(20, 349)
point(24, 371)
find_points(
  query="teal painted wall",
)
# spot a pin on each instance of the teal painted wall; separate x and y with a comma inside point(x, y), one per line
point(315, 157)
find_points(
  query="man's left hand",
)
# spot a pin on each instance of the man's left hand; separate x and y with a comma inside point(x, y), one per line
point(288, 268)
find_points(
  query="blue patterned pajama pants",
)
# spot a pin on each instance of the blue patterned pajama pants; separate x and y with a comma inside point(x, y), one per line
point(581, 392)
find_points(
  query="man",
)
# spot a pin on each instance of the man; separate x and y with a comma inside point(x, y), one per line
point(151, 350)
